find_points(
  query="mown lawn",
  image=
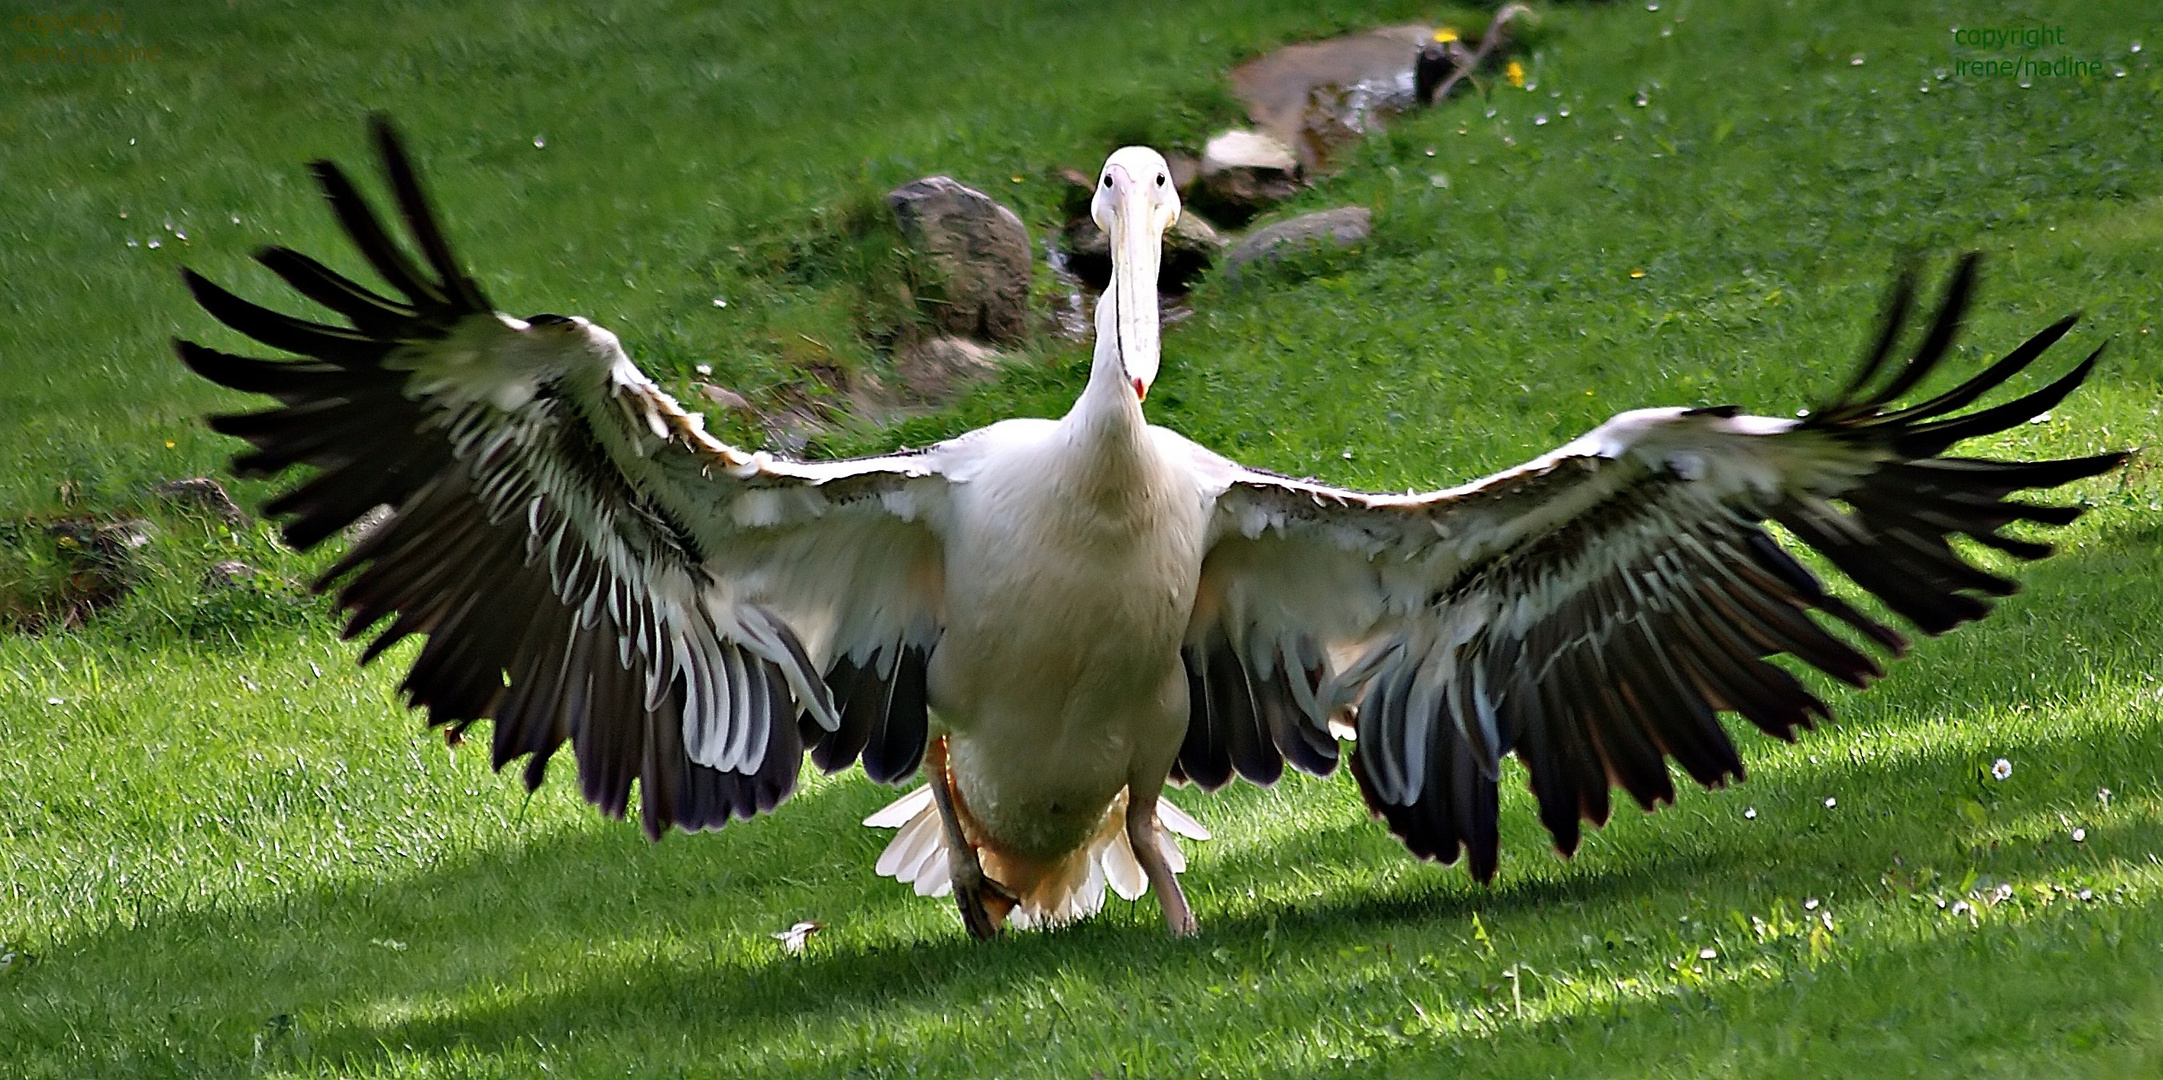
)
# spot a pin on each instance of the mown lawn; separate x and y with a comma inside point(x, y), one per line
point(224, 850)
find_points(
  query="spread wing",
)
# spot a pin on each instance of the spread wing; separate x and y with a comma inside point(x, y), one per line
point(1594, 610)
point(588, 566)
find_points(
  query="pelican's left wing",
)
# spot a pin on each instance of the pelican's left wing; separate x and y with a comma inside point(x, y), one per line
point(587, 564)
point(1592, 610)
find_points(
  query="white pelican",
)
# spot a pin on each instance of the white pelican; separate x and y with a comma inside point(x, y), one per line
point(1053, 617)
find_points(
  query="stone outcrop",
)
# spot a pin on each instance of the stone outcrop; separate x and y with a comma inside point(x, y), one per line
point(1243, 173)
point(204, 494)
point(970, 259)
point(227, 574)
point(936, 370)
point(1342, 226)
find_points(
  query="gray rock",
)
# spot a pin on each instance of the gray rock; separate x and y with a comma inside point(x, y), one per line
point(725, 398)
point(1185, 169)
point(1343, 226)
point(937, 370)
point(227, 574)
point(116, 541)
point(1193, 232)
point(790, 427)
point(1247, 150)
point(205, 494)
point(1243, 173)
point(104, 560)
point(972, 256)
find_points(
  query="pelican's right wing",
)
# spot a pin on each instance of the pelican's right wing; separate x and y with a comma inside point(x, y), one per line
point(1594, 609)
point(588, 566)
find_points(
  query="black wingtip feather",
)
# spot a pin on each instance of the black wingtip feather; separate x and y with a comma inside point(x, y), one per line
point(367, 233)
point(1856, 398)
point(2011, 364)
point(1932, 439)
point(420, 215)
point(1952, 309)
point(333, 344)
point(1897, 305)
point(368, 311)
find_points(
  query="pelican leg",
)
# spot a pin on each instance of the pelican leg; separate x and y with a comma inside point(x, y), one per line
point(984, 905)
point(1148, 850)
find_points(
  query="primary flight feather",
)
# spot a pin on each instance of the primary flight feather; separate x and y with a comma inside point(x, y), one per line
point(1051, 619)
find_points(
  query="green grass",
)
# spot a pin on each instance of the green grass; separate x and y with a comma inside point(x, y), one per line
point(224, 850)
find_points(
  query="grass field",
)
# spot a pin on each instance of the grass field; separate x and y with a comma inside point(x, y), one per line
point(225, 850)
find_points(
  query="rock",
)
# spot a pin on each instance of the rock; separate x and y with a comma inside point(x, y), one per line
point(972, 255)
point(1185, 170)
point(205, 494)
point(1243, 173)
point(1247, 150)
point(789, 427)
point(937, 370)
point(1315, 96)
point(225, 575)
point(1343, 226)
point(1190, 248)
point(104, 562)
point(1193, 232)
point(725, 398)
point(116, 541)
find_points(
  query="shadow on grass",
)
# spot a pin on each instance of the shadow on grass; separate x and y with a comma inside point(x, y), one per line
point(593, 934)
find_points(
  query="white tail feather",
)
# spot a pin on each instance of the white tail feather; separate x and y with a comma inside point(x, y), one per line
point(1175, 819)
point(901, 810)
point(1122, 871)
point(919, 835)
point(1069, 890)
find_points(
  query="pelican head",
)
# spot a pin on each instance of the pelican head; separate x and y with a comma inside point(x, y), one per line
point(1135, 203)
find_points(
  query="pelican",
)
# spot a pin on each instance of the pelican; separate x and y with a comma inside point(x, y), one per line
point(1053, 619)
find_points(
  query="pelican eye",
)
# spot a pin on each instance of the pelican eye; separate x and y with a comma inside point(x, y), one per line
point(1160, 179)
point(1107, 181)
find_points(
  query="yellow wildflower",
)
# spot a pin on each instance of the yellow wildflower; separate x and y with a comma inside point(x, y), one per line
point(1637, 273)
point(1446, 34)
point(1516, 73)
